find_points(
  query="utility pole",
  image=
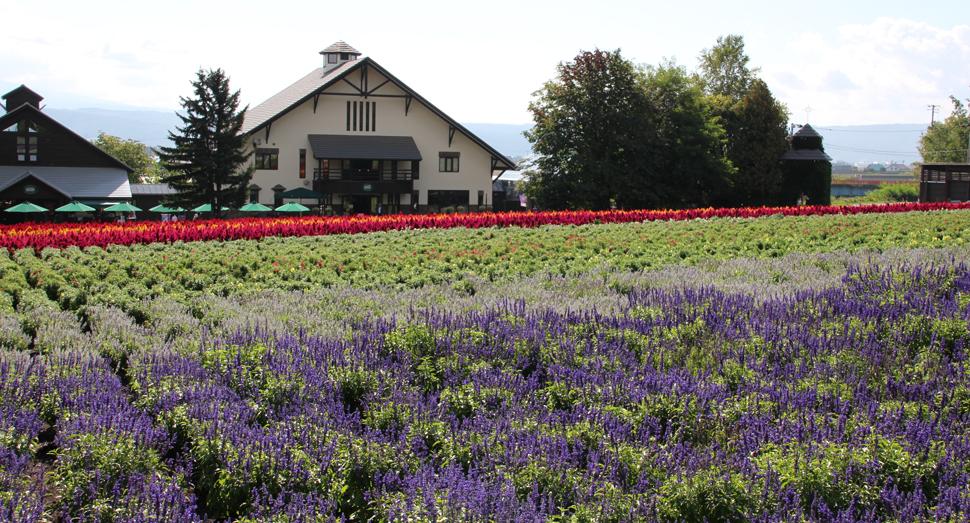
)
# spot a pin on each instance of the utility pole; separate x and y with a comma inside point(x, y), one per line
point(932, 108)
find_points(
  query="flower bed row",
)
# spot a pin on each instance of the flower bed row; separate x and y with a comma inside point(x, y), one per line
point(40, 236)
point(848, 403)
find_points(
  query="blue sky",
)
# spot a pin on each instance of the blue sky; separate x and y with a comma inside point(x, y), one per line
point(852, 63)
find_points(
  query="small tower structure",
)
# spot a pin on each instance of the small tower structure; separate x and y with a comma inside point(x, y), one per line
point(338, 54)
point(807, 170)
point(19, 96)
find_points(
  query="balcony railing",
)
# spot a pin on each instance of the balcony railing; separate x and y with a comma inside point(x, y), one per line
point(363, 175)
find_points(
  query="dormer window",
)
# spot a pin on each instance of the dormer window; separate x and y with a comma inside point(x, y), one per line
point(332, 58)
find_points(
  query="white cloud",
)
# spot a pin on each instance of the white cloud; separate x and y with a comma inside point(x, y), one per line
point(884, 72)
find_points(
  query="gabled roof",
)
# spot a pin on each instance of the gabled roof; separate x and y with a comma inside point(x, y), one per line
point(340, 47)
point(35, 114)
point(6, 181)
point(73, 182)
point(291, 97)
point(316, 82)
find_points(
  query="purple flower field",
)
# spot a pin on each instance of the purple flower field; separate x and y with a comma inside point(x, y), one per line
point(812, 388)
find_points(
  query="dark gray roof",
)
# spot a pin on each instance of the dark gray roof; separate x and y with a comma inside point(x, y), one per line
point(353, 147)
point(340, 47)
point(806, 154)
point(807, 132)
point(74, 182)
point(140, 189)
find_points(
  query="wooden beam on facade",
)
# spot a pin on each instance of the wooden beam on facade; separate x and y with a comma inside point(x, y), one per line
point(270, 124)
point(370, 95)
point(407, 104)
point(316, 98)
point(371, 91)
point(451, 134)
point(348, 82)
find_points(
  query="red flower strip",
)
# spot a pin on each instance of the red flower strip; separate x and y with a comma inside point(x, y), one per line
point(62, 235)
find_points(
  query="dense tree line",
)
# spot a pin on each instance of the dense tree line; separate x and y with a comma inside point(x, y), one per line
point(609, 133)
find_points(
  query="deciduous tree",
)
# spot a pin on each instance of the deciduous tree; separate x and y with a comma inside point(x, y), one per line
point(134, 154)
point(724, 68)
point(946, 141)
point(591, 135)
point(206, 163)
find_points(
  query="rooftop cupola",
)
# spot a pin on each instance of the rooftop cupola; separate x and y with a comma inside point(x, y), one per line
point(337, 54)
point(19, 96)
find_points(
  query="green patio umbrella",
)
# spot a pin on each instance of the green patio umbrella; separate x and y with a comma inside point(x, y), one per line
point(255, 207)
point(166, 210)
point(207, 208)
point(75, 206)
point(26, 207)
point(292, 207)
point(122, 207)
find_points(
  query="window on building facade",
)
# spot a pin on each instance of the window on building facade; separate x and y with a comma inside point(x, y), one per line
point(438, 200)
point(267, 159)
point(362, 116)
point(448, 162)
point(332, 58)
point(27, 141)
point(302, 163)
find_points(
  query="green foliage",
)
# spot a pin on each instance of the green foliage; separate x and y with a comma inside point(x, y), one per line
point(947, 141)
point(592, 133)
point(135, 155)
point(711, 496)
point(724, 69)
point(692, 171)
point(756, 128)
point(205, 165)
point(839, 474)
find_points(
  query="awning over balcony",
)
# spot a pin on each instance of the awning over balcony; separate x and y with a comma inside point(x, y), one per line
point(352, 147)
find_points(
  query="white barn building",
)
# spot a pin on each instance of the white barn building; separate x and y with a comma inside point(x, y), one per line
point(357, 135)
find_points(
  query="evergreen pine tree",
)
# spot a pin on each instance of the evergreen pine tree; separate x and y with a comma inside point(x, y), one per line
point(205, 163)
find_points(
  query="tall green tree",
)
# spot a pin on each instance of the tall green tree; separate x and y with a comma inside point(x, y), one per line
point(134, 154)
point(592, 135)
point(755, 123)
point(692, 169)
point(946, 141)
point(206, 162)
point(756, 130)
point(724, 69)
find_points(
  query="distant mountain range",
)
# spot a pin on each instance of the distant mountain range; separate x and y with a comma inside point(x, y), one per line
point(887, 143)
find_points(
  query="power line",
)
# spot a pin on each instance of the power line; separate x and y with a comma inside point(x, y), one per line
point(907, 153)
point(856, 149)
point(848, 131)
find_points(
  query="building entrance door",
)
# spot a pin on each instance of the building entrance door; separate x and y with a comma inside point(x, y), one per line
point(364, 204)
